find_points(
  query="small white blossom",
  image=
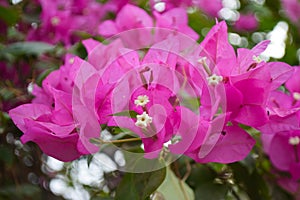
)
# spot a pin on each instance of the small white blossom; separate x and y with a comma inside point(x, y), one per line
point(214, 79)
point(30, 87)
point(143, 120)
point(296, 96)
point(294, 140)
point(141, 100)
point(55, 21)
point(160, 6)
point(202, 60)
point(71, 60)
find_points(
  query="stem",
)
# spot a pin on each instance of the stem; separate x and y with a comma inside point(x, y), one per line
point(183, 190)
point(122, 140)
point(100, 141)
point(185, 78)
point(206, 67)
point(188, 171)
point(235, 195)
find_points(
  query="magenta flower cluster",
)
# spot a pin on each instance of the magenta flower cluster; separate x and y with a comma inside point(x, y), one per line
point(62, 21)
point(154, 80)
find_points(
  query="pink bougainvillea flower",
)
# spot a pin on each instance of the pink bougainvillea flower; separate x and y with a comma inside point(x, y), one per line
point(292, 9)
point(132, 17)
point(13, 75)
point(290, 185)
point(116, 61)
point(281, 135)
point(165, 5)
point(234, 144)
point(283, 108)
point(129, 17)
point(210, 8)
point(293, 83)
point(62, 21)
point(59, 141)
point(284, 152)
point(174, 19)
point(246, 22)
point(215, 142)
point(56, 23)
point(48, 120)
point(148, 94)
point(246, 76)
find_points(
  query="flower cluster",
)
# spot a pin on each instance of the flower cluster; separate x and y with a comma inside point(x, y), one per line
point(151, 79)
point(62, 20)
point(281, 134)
point(228, 89)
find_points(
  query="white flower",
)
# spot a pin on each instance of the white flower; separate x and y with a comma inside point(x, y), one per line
point(294, 140)
point(142, 100)
point(214, 79)
point(143, 120)
point(55, 21)
point(202, 60)
point(296, 96)
point(30, 87)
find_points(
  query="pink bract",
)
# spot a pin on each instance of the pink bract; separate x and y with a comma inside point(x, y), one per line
point(292, 9)
point(246, 22)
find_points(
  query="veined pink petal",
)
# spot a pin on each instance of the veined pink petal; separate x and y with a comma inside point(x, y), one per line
point(280, 73)
point(90, 44)
point(233, 146)
point(245, 56)
point(30, 111)
point(108, 28)
point(293, 83)
point(252, 115)
point(281, 152)
point(63, 148)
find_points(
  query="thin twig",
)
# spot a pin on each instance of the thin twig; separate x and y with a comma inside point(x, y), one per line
point(121, 140)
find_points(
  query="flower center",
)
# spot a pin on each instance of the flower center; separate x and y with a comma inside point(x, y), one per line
point(141, 100)
point(143, 120)
point(294, 140)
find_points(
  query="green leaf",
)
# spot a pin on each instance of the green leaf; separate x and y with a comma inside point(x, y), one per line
point(279, 194)
point(139, 186)
point(200, 174)
point(211, 190)
point(43, 75)
point(199, 22)
point(251, 181)
point(202, 178)
point(25, 191)
point(27, 48)
point(6, 155)
point(9, 15)
point(6, 94)
point(126, 113)
point(174, 188)
point(89, 159)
